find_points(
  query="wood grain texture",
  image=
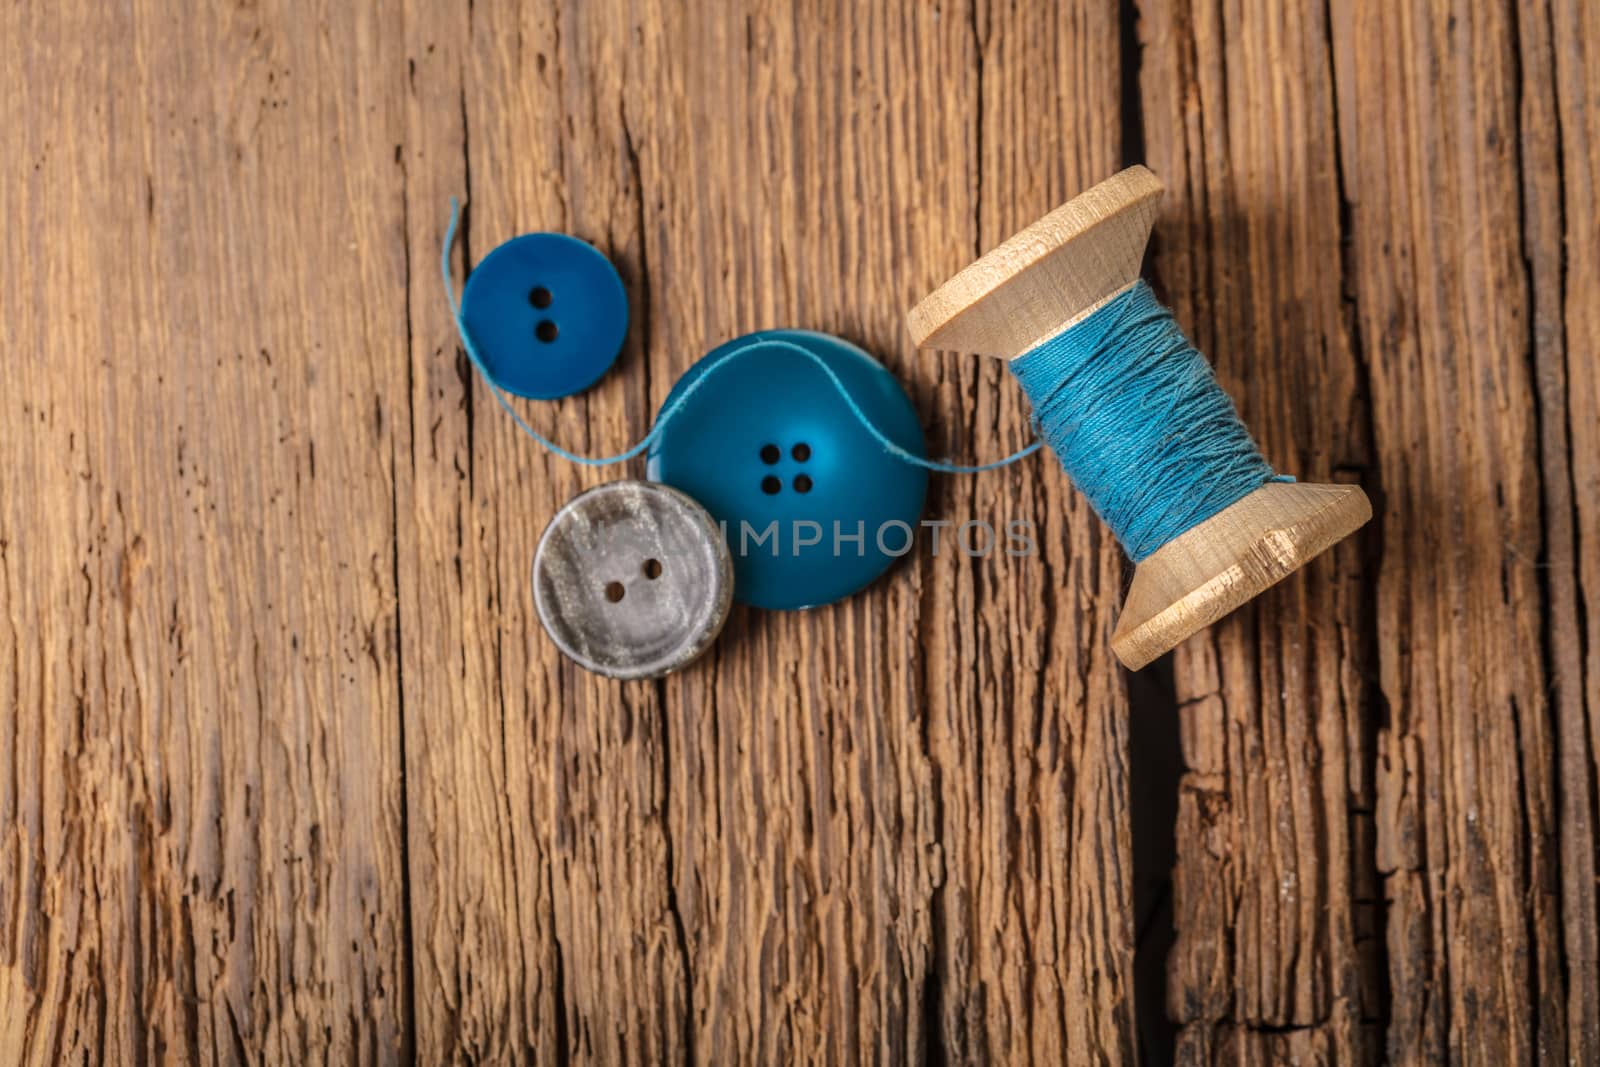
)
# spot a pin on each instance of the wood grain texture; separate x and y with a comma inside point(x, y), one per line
point(1393, 223)
point(1559, 124)
point(810, 846)
point(1031, 790)
point(1275, 908)
point(200, 832)
point(1466, 780)
point(289, 773)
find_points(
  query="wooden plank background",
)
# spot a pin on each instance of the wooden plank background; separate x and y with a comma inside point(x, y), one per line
point(288, 771)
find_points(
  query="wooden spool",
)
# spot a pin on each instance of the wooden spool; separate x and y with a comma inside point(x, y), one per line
point(1056, 273)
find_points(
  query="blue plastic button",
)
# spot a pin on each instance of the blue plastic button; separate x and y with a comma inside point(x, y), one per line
point(547, 313)
point(812, 507)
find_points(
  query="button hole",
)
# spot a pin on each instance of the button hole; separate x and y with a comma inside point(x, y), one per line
point(802, 483)
point(801, 452)
point(540, 297)
point(770, 454)
point(615, 591)
point(652, 569)
point(546, 331)
point(770, 485)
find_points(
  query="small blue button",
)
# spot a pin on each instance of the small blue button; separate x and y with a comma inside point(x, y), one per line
point(812, 507)
point(547, 313)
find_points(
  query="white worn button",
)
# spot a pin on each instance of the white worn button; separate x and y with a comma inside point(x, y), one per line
point(632, 579)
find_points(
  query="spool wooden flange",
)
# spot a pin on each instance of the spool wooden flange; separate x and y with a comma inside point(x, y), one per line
point(1056, 273)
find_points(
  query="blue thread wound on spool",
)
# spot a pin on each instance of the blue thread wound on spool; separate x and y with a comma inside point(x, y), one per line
point(1129, 407)
point(1138, 421)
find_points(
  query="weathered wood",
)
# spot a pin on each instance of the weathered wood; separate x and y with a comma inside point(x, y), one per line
point(288, 771)
point(1273, 903)
point(813, 844)
point(485, 757)
point(201, 849)
point(1559, 125)
point(1466, 773)
point(1393, 132)
point(1032, 929)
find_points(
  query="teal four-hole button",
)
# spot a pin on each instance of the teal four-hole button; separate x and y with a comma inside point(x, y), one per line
point(812, 507)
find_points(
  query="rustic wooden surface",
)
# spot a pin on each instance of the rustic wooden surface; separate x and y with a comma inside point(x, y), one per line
point(1386, 831)
point(288, 770)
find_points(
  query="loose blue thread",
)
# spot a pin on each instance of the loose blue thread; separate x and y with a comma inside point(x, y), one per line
point(1139, 423)
point(672, 410)
point(1122, 398)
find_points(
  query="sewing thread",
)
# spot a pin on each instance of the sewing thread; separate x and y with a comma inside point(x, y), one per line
point(1130, 408)
point(671, 411)
point(1139, 422)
